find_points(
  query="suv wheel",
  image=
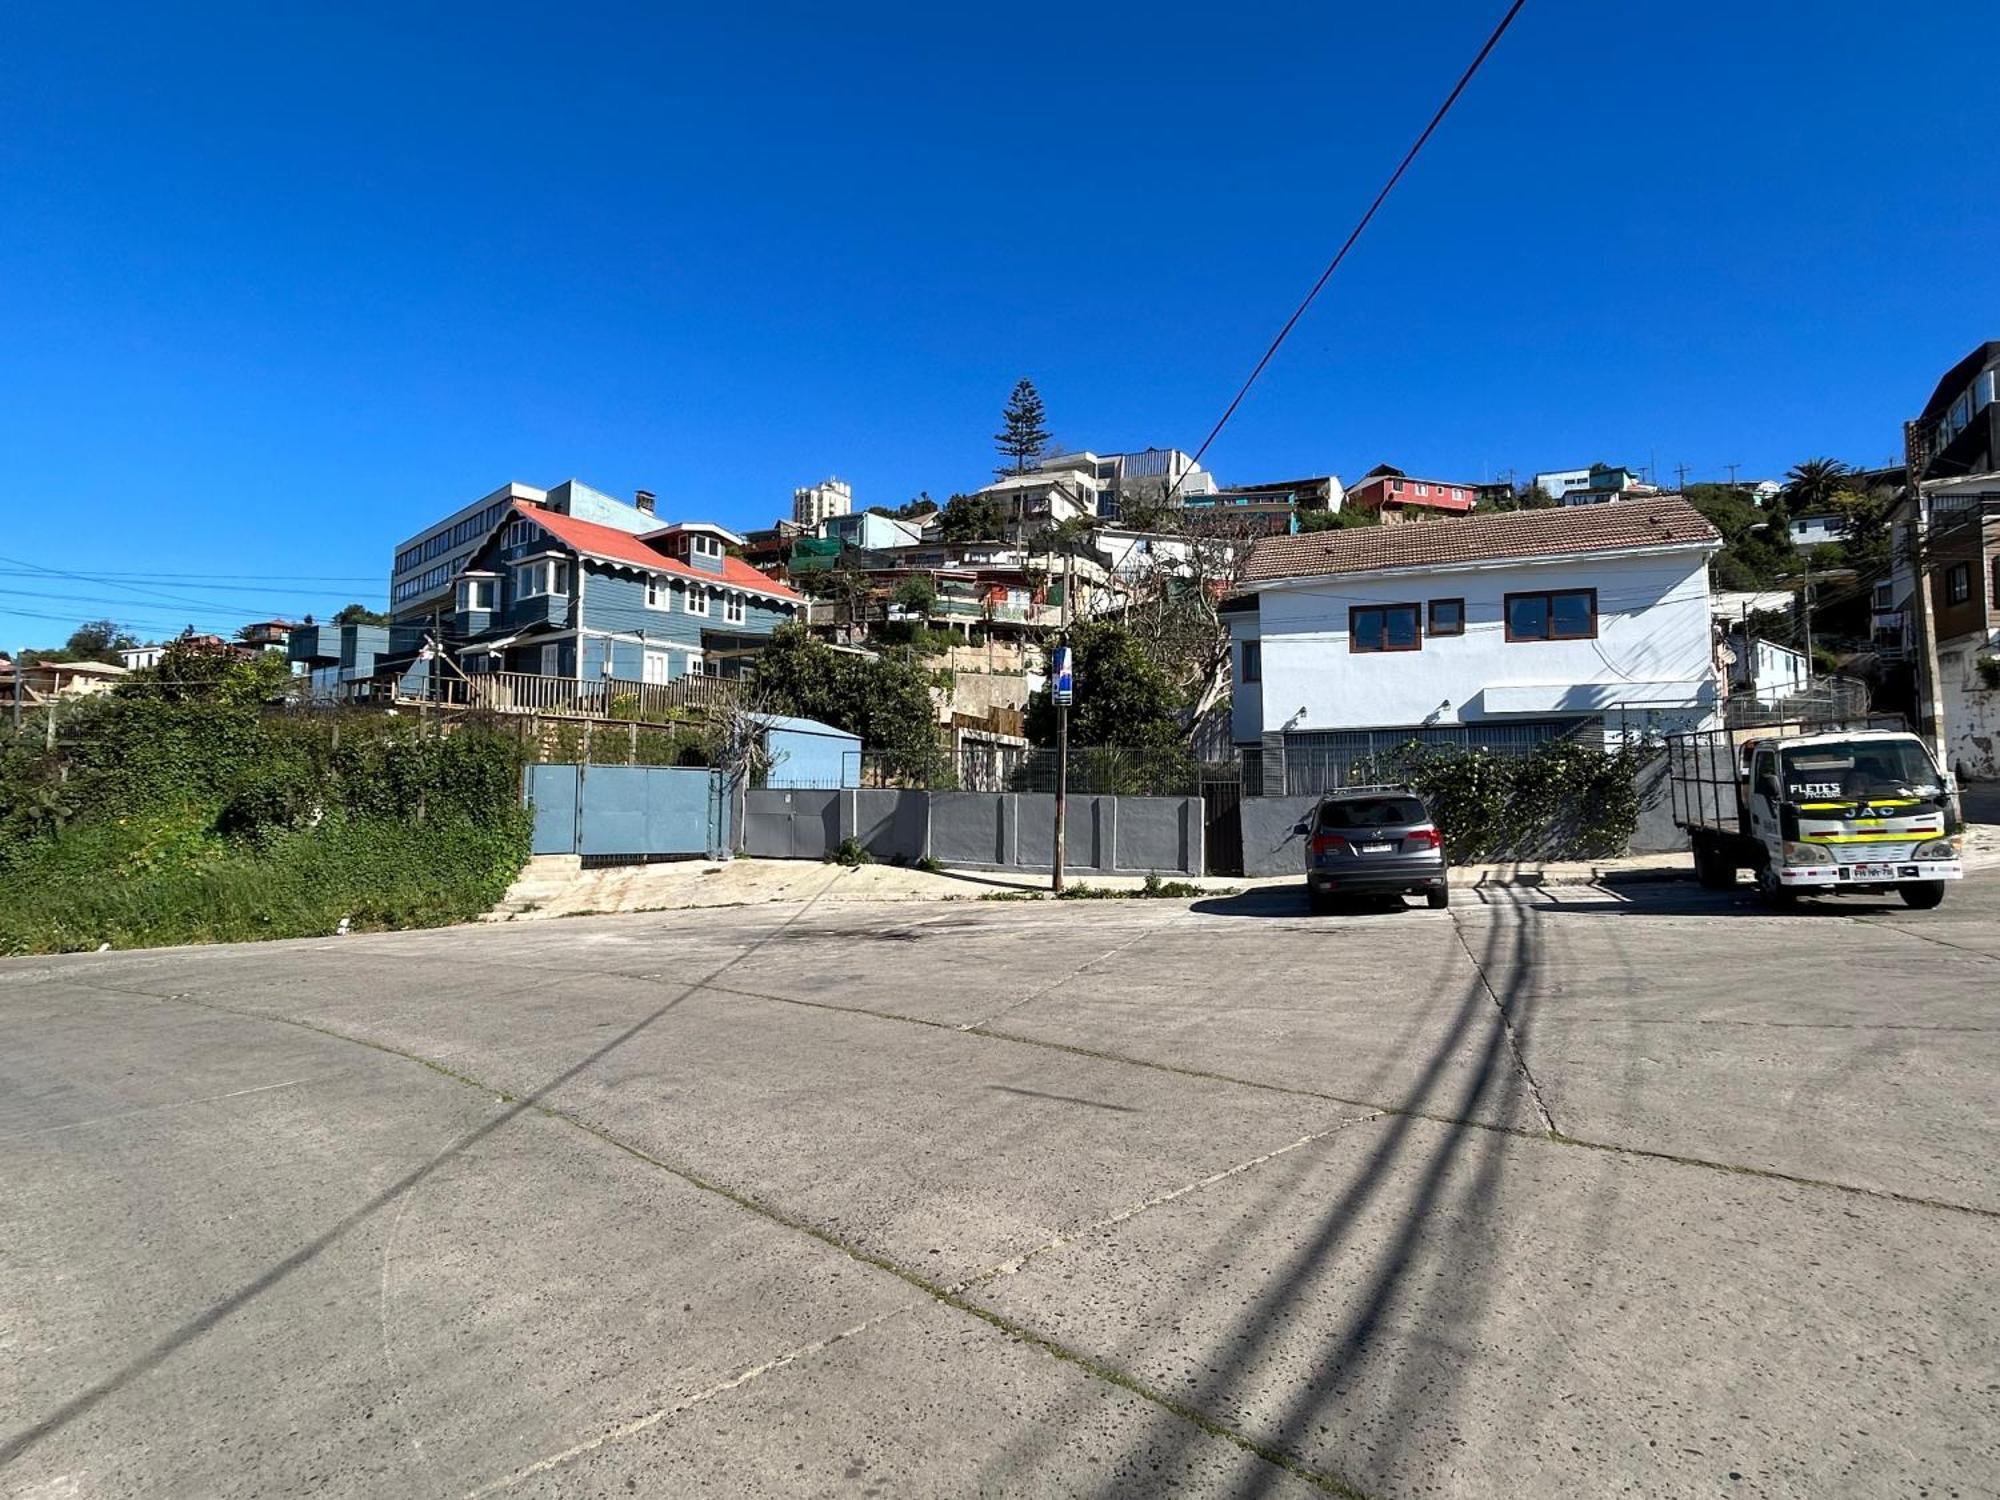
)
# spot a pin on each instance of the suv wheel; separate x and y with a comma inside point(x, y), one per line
point(1438, 897)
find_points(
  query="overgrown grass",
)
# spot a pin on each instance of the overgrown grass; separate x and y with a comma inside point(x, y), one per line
point(164, 879)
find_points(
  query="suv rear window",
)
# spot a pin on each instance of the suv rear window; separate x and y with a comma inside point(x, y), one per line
point(1372, 812)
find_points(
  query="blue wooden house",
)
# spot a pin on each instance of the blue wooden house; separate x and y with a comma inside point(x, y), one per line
point(559, 597)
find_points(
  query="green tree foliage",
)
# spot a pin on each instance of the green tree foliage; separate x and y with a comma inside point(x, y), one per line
point(94, 640)
point(1811, 487)
point(1756, 547)
point(973, 518)
point(1347, 518)
point(98, 640)
point(917, 594)
point(359, 614)
point(884, 699)
point(1123, 697)
point(195, 671)
point(1023, 437)
point(910, 510)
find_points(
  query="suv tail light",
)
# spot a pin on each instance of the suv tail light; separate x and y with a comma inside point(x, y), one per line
point(1328, 843)
point(1423, 838)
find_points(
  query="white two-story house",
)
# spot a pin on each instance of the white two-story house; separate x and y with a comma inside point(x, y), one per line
point(1501, 631)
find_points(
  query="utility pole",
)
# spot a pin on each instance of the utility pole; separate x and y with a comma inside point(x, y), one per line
point(1680, 476)
point(1930, 706)
point(1809, 613)
point(1061, 691)
point(1732, 468)
point(18, 669)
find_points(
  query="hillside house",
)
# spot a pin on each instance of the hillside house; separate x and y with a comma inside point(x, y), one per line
point(558, 597)
point(1503, 631)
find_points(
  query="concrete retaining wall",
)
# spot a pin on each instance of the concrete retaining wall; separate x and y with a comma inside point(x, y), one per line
point(1269, 845)
point(989, 830)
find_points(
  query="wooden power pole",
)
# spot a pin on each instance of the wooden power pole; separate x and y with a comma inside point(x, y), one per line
point(1930, 704)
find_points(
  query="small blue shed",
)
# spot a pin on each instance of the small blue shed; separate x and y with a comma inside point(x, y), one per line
point(807, 753)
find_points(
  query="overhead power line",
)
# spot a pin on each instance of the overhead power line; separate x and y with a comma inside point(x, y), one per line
point(1355, 234)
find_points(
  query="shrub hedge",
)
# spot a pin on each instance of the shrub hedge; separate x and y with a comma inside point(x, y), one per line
point(158, 821)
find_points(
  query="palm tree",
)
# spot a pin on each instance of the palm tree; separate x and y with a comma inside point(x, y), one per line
point(1810, 487)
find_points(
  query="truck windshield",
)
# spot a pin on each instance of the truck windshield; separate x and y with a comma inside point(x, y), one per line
point(1859, 768)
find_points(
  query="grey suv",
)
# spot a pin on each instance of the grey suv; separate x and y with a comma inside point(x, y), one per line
point(1373, 843)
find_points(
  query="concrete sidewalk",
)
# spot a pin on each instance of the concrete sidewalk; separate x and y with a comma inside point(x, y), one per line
point(558, 886)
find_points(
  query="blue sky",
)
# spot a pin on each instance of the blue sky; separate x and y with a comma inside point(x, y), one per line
point(277, 288)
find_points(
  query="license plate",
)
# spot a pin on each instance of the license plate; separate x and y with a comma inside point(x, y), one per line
point(1376, 848)
point(1873, 872)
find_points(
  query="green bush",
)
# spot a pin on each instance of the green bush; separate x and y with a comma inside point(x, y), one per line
point(1563, 801)
point(150, 882)
point(170, 820)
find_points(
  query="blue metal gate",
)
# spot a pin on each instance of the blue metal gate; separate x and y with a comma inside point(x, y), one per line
point(632, 811)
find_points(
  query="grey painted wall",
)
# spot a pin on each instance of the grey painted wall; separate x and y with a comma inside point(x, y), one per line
point(986, 830)
point(1269, 845)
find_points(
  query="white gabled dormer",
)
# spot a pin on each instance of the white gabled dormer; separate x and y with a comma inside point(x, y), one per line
point(699, 544)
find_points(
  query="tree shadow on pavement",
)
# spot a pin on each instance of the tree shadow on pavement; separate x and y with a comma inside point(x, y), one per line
point(1430, 1190)
point(1635, 899)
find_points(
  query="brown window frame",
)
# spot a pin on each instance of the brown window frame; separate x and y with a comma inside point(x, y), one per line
point(1958, 583)
point(1507, 615)
point(1431, 617)
point(1416, 610)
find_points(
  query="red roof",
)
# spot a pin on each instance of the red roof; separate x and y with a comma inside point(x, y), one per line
point(609, 544)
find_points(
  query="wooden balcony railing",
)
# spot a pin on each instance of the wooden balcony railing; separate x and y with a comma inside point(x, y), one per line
point(593, 698)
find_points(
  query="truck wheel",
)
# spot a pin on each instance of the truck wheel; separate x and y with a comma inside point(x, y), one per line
point(1921, 894)
point(1774, 891)
point(1715, 870)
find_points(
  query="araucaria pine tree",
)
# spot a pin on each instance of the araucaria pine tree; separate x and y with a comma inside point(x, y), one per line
point(1022, 437)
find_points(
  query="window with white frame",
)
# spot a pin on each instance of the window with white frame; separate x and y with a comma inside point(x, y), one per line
point(545, 575)
point(697, 599)
point(659, 592)
point(732, 609)
point(476, 593)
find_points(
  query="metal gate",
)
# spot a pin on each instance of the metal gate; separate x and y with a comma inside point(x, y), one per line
point(1222, 826)
point(628, 812)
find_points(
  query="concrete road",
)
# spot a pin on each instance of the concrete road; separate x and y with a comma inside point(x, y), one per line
point(1562, 1193)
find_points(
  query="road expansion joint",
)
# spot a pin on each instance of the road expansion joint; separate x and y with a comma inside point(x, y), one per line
point(1507, 1025)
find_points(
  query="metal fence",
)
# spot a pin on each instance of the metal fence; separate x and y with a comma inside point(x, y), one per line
point(1327, 760)
point(1821, 699)
point(1102, 770)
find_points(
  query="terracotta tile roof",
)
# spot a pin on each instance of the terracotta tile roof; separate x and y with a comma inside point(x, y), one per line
point(1660, 521)
point(609, 544)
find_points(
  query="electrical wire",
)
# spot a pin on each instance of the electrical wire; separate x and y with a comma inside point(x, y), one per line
point(1353, 235)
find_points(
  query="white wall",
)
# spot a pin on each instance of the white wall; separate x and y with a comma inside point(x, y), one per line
point(1653, 646)
point(1246, 699)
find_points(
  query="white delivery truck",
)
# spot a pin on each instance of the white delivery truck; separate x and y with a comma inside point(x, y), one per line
point(1815, 809)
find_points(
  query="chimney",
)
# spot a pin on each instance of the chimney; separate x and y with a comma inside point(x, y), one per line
point(644, 500)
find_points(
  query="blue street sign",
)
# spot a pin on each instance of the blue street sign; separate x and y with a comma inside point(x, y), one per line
point(1062, 670)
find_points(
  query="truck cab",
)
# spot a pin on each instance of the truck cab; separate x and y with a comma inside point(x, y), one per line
point(1862, 811)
